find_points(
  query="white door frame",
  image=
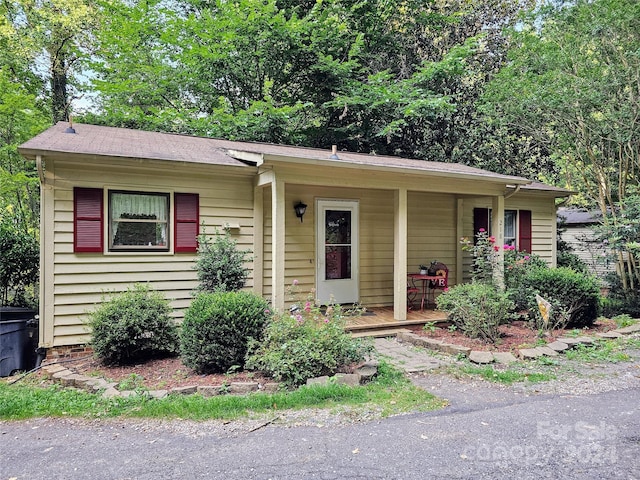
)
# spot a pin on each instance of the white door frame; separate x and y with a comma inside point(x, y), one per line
point(339, 290)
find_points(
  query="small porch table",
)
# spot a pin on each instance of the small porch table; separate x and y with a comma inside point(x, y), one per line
point(426, 282)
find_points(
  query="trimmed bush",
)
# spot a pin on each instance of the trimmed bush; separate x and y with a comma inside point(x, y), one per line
point(574, 297)
point(133, 326)
point(220, 264)
point(217, 329)
point(477, 309)
point(305, 344)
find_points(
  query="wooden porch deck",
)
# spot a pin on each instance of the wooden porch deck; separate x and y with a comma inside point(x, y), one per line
point(379, 321)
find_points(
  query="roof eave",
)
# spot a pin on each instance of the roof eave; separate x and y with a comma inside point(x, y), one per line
point(500, 179)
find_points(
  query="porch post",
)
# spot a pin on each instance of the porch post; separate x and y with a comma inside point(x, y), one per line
point(277, 243)
point(400, 254)
point(459, 234)
point(258, 240)
point(497, 228)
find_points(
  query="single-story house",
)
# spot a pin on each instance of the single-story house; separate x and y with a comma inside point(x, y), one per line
point(579, 231)
point(121, 206)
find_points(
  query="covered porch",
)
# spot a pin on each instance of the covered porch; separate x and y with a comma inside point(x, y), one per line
point(400, 216)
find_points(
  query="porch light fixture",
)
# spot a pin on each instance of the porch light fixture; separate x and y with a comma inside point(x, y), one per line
point(300, 209)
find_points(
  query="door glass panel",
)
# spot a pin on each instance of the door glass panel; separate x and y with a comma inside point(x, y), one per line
point(338, 262)
point(337, 244)
point(338, 227)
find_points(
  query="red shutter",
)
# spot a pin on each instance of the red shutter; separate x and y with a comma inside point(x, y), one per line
point(524, 229)
point(480, 220)
point(87, 219)
point(186, 221)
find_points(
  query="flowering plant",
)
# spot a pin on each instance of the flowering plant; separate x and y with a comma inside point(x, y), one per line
point(308, 340)
point(485, 255)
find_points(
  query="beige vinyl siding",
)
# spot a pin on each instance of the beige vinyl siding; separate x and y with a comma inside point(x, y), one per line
point(80, 281)
point(432, 231)
point(543, 224)
point(375, 249)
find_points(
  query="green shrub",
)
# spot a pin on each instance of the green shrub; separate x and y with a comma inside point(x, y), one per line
point(306, 343)
point(133, 326)
point(477, 309)
point(19, 261)
point(217, 328)
point(574, 297)
point(516, 267)
point(220, 264)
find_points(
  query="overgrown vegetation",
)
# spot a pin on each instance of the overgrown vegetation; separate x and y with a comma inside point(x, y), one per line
point(19, 262)
point(388, 394)
point(304, 343)
point(133, 326)
point(220, 264)
point(218, 328)
point(477, 309)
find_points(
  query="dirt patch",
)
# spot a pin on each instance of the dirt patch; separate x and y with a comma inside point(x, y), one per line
point(514, 335)
point(159, 374)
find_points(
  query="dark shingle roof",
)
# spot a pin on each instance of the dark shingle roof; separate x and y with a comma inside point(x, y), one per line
point(94, 140)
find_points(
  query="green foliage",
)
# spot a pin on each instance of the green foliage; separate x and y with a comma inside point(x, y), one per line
point(220, 265)
point(19, 262)
point(517, 266)
point(507, 377)
point(624, 320)
point(609, 351)
point(218, 328)
point(306, 343)
point(477, 309)
point(574, 297)
point(484, 252)
point(133, 326)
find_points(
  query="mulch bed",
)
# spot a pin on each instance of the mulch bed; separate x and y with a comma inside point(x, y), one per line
point(515, 335)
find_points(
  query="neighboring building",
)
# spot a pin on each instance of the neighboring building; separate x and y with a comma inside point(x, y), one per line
point(122, 206)
point(580, 233)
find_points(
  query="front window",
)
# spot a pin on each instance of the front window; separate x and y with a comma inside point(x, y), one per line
point(138, 221)
point(510, 232)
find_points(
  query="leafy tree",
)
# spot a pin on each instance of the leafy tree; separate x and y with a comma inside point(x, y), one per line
point(572, 86)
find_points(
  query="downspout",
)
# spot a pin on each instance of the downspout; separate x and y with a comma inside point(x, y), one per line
point(41, 351)
point(40, 168)
point(513, 192)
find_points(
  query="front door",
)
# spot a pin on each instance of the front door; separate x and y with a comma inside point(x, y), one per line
point(337, 251)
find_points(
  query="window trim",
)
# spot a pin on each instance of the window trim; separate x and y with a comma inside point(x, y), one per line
point(524, 236)
point(138, 248)
point(97, 202)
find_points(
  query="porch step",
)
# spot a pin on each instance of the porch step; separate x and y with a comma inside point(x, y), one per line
point(379, 332)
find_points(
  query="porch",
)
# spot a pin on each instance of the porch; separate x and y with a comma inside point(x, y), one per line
point(380, 321)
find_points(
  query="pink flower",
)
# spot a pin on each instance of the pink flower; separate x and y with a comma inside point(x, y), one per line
point(295, 282)
point(446, 289)
point(299, 318)
point(526, 257)
point(496, 248)
point(326, 320)
point(267, 311)
point(492, 239)
point(481, 230)
point(307, 307)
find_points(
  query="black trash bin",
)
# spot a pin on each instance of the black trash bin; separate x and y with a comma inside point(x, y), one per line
point(16, 340)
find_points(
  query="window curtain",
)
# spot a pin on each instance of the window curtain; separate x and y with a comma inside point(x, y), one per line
point(136, 204)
